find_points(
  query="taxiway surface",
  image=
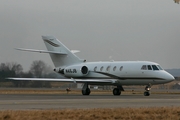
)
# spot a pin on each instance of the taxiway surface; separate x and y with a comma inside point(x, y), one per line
point(54, 101)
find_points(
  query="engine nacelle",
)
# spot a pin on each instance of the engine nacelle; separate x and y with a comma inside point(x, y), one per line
point(59, 70)
point(76, 71)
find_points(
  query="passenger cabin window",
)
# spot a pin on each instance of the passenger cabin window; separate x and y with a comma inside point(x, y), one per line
point(95, 68)
point(149, 67)
point(108, 68)
point(101, 68)
point(155, 67)
point(121, 68)
point(114, 69)
point(144, 67)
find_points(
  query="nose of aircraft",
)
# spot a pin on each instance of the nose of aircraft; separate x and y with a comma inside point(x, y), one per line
point(169, 77)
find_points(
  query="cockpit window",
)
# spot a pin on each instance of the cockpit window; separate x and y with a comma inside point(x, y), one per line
point(160, 68)
point(149, 67)
point(155, 67)
point(144, 67)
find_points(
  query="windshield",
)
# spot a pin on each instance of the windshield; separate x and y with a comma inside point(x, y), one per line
point(151, 67)
point(155, 67)
point(160, 68)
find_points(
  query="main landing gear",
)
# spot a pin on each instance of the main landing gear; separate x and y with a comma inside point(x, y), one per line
point(117, 91)
point(147, 92)
point(85, 89)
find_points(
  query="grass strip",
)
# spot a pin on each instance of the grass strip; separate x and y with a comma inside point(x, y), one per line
point(159, 113)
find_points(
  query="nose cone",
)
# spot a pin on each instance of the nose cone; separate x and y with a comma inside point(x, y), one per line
point(169, 77)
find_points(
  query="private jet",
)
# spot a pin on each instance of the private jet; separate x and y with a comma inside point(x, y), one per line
point(114, 73)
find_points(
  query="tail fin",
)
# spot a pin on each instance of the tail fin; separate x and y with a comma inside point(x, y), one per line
point(60, 60)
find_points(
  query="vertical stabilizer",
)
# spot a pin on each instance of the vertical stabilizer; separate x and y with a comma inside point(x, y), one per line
point(60, 60)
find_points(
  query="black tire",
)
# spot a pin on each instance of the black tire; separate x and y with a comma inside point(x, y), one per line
point(83, 92)
point(116, 91)
point(146, 93)
point(86, 92)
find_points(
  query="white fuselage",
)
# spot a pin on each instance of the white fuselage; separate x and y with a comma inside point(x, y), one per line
point(123, 73)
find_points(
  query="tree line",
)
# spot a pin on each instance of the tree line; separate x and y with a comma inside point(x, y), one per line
point(38, 69)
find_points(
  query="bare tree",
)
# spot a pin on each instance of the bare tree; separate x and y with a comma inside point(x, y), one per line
point(17, 68)
point(10, 70)
point(38, 68)
point(13, 66)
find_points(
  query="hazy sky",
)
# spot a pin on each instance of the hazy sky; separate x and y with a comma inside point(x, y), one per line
point(102, 30)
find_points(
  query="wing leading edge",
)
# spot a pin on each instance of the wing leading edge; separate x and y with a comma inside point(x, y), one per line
point(66, 80)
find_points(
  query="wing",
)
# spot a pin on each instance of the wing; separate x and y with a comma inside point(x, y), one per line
point(67, 80)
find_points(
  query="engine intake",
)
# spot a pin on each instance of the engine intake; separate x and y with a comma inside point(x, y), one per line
point(84, 70)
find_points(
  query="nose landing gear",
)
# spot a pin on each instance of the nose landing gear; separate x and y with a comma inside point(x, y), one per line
point(147, 92)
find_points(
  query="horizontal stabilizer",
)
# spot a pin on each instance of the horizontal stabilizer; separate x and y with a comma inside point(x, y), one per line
point(66, 80)
point(41, 51)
